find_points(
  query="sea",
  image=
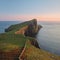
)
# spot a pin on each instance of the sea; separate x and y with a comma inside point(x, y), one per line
point(48, 36)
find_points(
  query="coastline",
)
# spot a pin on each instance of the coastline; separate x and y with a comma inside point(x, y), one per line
point(24, 32)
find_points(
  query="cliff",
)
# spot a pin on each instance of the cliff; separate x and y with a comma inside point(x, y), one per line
point(33, 28)
point(18, 43)
point(29, 28)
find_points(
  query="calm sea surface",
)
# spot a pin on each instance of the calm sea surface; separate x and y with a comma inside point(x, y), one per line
point(49, 37)
point(6, 24)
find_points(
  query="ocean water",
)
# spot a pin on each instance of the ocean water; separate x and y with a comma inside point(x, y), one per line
point(6, 24)
point(49, 37)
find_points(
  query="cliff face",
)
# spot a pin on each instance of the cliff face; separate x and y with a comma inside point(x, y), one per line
point(30, 30)
point(33, 28)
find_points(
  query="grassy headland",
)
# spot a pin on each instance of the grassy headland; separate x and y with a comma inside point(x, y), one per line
point(20, 36)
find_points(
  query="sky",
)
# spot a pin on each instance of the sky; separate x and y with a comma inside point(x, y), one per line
point(42, 10)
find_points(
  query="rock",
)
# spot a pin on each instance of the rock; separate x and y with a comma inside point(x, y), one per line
point(33, 28)
point(35, 43)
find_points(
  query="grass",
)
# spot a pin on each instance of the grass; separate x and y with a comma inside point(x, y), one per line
point(33, 53)
point(6, 47)
point(13, 28)
point(12, 40)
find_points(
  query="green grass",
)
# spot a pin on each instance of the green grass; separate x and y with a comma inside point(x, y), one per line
point(13, 28)
point(12, 39)
point(33, 53)
point(6, 47)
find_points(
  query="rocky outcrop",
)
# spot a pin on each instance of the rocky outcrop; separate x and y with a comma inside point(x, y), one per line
point(34, 43)
point(33, 28)
point(30, 30)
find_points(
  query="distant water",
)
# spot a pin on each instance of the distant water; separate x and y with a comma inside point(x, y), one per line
point(6, 24)
point(49, 37)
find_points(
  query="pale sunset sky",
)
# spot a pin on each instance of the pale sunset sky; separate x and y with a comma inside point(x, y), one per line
point(42, 10)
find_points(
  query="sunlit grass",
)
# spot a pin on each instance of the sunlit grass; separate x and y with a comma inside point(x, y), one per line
point(11, 41)
point(33, 53)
